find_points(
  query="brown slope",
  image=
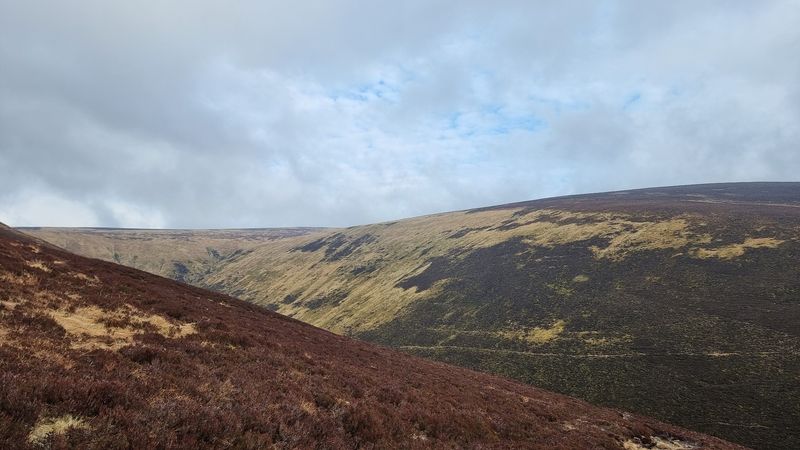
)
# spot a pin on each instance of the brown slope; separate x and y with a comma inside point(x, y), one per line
point(96, 355)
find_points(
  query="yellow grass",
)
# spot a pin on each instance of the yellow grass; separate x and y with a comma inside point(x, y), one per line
point(36, 264)
point(55, 425)
point(308, 407)
point(26, 279)
point(86, 327)
point(735, 250)
point(658, 443)
point(9, 304)
point(650, 236)
point(536, 335)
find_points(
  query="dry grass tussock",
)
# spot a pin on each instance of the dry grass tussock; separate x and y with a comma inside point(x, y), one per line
point(46, 427)
point(93, 327)
point(25, 279)
point(658, 443)
point(39, 265)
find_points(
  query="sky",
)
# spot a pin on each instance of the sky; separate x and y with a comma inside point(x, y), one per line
point(213, 114)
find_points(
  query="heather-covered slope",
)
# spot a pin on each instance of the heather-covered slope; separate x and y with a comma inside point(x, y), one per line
point(681, 303)
point(96, 355)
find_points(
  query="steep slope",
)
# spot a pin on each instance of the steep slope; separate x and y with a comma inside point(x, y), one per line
point(96, 355)
point(184, 255)
point(682, 303)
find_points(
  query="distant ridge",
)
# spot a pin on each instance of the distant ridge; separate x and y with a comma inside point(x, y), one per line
point(772, 192)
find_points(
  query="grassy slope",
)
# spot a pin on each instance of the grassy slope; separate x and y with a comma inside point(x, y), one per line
point(681, 303)
point(185, 255)
point(97, 355)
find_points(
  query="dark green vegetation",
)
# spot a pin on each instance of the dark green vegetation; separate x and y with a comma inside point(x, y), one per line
point(681, 303)
point(97, 355)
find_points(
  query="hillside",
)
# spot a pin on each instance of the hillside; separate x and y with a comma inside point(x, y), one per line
point(178, 254)
point(681, 303)
point(96, 355)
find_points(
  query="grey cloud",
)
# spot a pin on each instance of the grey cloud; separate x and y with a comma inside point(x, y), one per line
point(209, 114)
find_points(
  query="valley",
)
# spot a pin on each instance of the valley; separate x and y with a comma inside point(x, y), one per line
point(681, 303)
point(96, 355)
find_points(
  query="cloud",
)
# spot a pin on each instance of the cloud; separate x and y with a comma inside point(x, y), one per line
point(33, 206)
point(208, 114)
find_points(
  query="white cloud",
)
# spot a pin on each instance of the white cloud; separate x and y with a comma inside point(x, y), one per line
point(203, 114)
point(30, 208)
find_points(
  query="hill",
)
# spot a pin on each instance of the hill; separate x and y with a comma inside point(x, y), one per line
point(681, 303)
point(183, 255)
point(97, 355)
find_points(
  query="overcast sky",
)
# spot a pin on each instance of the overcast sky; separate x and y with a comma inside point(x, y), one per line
point(327, 113)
